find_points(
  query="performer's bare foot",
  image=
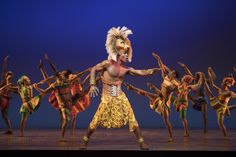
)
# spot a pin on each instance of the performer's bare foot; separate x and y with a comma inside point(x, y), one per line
point(170, 140)
point(72, 133)
point(83, 146)
point(9, 132)
point(21, 134)
point(143, 146)
point(186, 134)
point(226, 138)
point(62, 140)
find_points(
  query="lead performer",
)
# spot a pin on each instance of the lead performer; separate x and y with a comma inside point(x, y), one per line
point(115, 110)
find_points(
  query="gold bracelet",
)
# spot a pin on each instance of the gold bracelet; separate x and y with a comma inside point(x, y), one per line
point(92, 82)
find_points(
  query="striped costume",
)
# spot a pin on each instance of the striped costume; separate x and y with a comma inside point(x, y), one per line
point(220, 108)
point(159, 105)
point(79, 104)
point(58, 101)
point(29, 104)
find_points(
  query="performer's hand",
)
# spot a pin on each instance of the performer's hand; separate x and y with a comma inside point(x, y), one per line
point(46, 56)
point(6, 58)
point(181, 64)
point(40, 64)
point(150, 86)
point(155, 55)
point(211, 73)
point(93, 91)
point(153, 71)
point(234, 69)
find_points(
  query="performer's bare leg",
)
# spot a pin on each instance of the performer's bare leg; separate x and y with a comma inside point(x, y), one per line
point(73, 125)
point(139, 91)
point(151, 96)
point(204, 117)
point(64, 123)
point(185, 125)
point(184, 122)
point(7, 121)
point(22, 124)
point(168, 125)
point(142, 144)
point(221, 125)
point(89, 133)
point(209, 92)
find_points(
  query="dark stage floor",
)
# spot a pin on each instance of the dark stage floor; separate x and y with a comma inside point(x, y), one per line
point(119, 139)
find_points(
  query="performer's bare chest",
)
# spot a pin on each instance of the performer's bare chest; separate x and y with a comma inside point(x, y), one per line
point(116, 70)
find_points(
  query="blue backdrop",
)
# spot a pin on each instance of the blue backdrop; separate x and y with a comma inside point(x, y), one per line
point(200, 33)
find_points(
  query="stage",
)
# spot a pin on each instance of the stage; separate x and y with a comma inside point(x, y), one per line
point(120, 139)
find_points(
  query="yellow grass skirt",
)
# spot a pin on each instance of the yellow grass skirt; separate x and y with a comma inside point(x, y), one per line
point(114, 112)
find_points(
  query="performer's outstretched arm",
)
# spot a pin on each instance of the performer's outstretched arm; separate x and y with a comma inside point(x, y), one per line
point(161, 65)
point(212, 77)
point(209, 92)
point(199, 83)
point(2, 88)
point(79, 74)
point(4, 70)
point(53, 66)
point(233, 95)
point(43, 71)
point(135, 72)
point(186, 69)
point(167, 69)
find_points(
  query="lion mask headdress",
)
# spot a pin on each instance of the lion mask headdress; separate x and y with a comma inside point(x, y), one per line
point(112, 35)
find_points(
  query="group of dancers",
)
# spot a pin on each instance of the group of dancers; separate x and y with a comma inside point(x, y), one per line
point(70, 95)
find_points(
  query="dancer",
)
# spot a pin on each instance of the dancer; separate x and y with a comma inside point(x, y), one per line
point(61, 97)
point(7, 88)
point(30, 103)
point(80, 97)
point(220, 102)
point(168, 86)
point(156, 102)
point(181, 102)
point(199, 100)
point(115, 110)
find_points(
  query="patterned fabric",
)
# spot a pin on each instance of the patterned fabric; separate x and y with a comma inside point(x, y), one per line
point(219, 107)
point(80, 105)
point(30, 106)
point(76, 89)
point(59, 90)
point(159, 106)
point(114, 112)
point(180, 104)
point(53, 100)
